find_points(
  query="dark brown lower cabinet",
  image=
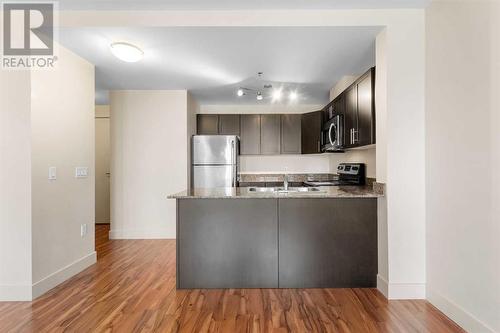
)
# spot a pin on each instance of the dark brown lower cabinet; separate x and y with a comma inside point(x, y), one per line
point(271, 243)
point(227, 243)
point(327, 243)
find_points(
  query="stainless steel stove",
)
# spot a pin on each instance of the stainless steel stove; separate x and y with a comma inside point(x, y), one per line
point(348, 174)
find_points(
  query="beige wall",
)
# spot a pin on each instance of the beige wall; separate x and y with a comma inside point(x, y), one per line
point(149, 160)
point(463, 162)
point(62, 135)
point(15, 185)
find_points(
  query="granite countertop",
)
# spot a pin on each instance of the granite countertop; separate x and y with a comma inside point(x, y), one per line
point(244, 193)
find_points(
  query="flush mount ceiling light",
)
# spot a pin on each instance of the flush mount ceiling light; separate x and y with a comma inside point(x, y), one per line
point(293, 95)
point(126, 52)
point(240, 92)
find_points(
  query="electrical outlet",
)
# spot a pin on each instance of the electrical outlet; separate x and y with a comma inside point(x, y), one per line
point(83, 230)
point(81, 172)
point(52, 173)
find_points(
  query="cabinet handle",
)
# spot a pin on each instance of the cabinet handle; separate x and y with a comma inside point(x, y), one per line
point(319, 146)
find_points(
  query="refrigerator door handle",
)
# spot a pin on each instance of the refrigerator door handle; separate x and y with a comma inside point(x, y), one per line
point(233, 164)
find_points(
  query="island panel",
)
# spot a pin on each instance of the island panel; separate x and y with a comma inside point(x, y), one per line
point(327, 243)
point(224, 243)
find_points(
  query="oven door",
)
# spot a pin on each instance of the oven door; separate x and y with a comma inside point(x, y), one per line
point(332, 135)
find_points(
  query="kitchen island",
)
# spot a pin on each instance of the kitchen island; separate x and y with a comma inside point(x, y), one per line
point(254, 238)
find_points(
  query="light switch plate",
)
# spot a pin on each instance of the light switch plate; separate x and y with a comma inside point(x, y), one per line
point(83, 230)
point(81, 172)
point(52, 173)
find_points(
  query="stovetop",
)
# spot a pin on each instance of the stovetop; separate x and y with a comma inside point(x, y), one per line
point(349, 174)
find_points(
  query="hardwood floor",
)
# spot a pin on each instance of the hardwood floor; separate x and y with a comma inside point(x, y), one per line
point(132, 289)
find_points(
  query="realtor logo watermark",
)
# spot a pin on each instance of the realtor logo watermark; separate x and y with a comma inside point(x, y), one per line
point(28, 35)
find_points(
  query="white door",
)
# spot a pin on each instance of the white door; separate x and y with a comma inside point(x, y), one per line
point(102, 176)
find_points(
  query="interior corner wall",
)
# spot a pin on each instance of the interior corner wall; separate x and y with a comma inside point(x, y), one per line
point(15, 186)
point(149, 161)
point(192, 109)
point(405, 168)
point(62, 136)
point(463, 161)
point(381, 159)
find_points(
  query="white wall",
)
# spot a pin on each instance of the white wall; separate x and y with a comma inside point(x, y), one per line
point(342, 84)
point(62, 135)
point(192, 109)
point(45, 122)
point(463, 162)
point(149, 150)
point(15, 185)
point(285, 163)
point(381, 158)
point(275, 163)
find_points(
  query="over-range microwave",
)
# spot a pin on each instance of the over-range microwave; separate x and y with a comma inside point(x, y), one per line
point(332, 135)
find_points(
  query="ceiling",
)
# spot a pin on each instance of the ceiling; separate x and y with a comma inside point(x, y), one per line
point(235, 4)
point(213, 62)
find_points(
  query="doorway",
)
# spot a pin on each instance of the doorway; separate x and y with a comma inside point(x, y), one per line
point(102, 164)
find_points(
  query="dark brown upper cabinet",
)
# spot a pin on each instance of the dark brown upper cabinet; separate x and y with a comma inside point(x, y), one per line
point(270, 134)
point(291, 133)
point(365, 134)
point(311, 126)
point(350, 116)
point(229, 124)
point(207, 124)
point(250, 134)
point(358, 111)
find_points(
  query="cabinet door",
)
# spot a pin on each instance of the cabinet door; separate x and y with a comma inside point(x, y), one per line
point(350, 116)
point(250, 134)
point(226, 243)
point(270, 134)
point(291, 133)
point(365, 134)
point(339, 105)
point(311, 132)
point(327, 243)
point(207, 124)
point(229, 124)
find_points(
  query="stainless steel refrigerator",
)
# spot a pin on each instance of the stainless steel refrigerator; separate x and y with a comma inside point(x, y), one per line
point(214, 161)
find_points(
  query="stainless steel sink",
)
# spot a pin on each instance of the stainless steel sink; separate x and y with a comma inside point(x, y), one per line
point(282, 189)
point(263, 189)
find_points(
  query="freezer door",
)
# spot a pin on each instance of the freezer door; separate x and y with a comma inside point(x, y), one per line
point(211, 176)
point(214, 149)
